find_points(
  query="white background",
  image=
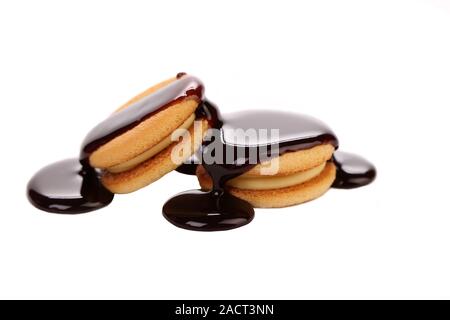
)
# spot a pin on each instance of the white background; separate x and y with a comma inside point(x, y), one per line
point(378, 72)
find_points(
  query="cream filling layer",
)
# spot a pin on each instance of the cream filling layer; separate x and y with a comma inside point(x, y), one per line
point(274, 182)
point(130, 164)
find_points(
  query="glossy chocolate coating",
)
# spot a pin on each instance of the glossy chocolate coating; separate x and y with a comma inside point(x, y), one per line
point(207, 211)
point(67, 187)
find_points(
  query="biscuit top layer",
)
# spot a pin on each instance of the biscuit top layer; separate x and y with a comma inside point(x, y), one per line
point(142, 122)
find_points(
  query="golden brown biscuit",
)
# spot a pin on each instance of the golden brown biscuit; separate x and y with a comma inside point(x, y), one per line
point(154, 168)
point(142, 154)
point(281, 197)
point(302, 176)
point(145, 135)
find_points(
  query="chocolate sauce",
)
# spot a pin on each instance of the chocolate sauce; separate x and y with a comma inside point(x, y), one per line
point(216, 209)
point(353, 171)
point(187, 168)
point(67, 187)
point(73, 186)
point(209, 111)
point(201, 210)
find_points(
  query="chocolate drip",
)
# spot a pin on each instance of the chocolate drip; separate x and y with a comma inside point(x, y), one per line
point(209, 111)
point(187, 168)
point(73, 186)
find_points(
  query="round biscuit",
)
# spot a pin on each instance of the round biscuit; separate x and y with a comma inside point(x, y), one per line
point(283, 197)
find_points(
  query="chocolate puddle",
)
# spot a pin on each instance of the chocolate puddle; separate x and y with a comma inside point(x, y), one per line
point(68, 187)
point(352, 171)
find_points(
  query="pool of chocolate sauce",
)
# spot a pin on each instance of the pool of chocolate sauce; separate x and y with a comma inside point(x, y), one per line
point(352, 171)
point(68, 187)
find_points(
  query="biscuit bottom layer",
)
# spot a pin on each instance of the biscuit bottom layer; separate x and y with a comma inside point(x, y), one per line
point(130, 164)
point(276, 182)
